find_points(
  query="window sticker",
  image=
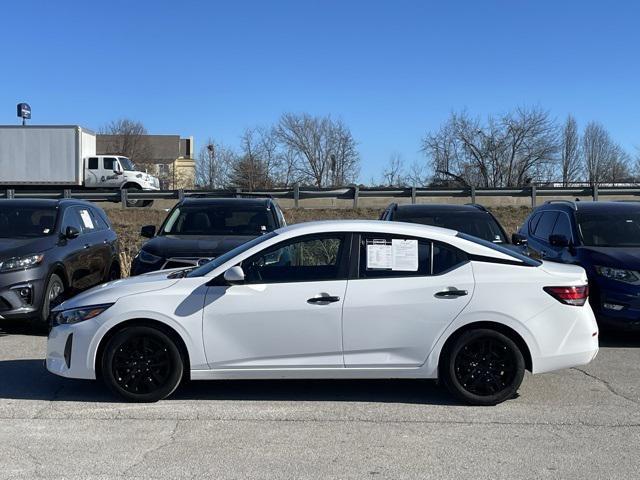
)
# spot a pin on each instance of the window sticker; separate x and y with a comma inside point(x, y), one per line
point(379, 255)
point(404, 255)
point(86, 219)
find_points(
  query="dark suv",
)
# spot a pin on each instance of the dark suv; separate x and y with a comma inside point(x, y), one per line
point(49, 250)
point(472, 219)
point(198, 230)
point(604, 239)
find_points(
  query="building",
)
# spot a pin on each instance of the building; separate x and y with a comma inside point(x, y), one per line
point(169, 157)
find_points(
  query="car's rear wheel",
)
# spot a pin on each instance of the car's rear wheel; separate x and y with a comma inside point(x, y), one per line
point(142, 364)
point(483, 367)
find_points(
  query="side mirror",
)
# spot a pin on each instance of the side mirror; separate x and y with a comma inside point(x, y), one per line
point(117, 169)
point(519, 240)
point(148, 231)
point(234, 275)
point(558, 241)
point(71, 232)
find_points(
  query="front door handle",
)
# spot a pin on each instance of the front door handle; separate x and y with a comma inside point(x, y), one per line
point(451, 293)
point(87, 245)
point(323, 299)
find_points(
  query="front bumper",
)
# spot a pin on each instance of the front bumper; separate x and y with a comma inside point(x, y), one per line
point(14, 305)
point(616, 306)
point(67, 350)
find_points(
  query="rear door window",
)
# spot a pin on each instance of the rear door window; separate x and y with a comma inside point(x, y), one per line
point(545, 225)
point(386, 256)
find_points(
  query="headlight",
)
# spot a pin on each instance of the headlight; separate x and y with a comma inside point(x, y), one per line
point(146, 257)
point(626, 276)
point(21, 263)
point(75, 315)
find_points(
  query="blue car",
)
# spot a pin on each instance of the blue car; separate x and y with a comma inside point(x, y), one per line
point(604, 239)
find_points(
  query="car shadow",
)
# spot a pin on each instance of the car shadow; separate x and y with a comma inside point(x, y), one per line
point(28, 380)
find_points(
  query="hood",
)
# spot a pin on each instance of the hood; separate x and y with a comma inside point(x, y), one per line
point(617, 257)
point(193, 246)
point(15, 247)
point(110, 292)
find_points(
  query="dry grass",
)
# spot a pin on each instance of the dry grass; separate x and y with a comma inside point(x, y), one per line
point(127, 222)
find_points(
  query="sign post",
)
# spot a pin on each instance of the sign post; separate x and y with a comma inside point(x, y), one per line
point(24, 112)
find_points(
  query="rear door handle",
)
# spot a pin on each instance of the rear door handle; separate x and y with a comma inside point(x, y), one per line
point(451, 293)
point(323, 299)
point(87, 245)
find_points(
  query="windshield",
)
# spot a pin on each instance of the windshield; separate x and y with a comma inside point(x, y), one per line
point(610, 229)
point(127, 164)
point(217, 220)
point(27, 222)
point(225, 257)
point(523, 258)
point(479, 224)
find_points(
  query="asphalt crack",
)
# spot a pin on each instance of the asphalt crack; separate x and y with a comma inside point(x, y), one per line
point(607, 386)
point(145, 455)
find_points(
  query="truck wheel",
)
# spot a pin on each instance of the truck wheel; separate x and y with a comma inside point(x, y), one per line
point(134, 203)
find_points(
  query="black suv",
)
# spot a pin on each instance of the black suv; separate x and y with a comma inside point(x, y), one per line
point(49, 250)
point(472, 219)
point(198, 230)
point(604, 239)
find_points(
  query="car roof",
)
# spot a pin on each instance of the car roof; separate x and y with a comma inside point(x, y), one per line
point(43, 202)
point(589, 206)
point(435, 208)
point(246, 202)
point(400, 228)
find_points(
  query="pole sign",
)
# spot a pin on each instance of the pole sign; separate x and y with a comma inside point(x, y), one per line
point(24, 111)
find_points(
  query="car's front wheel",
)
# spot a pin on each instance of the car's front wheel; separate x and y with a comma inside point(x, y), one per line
point(142, 364)
point(483, 367)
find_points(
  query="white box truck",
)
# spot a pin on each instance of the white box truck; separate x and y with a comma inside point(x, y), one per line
point(64, 156)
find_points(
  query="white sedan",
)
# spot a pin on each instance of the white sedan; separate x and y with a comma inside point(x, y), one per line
point(342, 299)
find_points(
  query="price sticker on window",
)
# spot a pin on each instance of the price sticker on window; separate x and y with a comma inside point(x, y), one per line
point(404, 255)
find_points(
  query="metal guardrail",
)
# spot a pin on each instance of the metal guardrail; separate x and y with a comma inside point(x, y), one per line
point(353, 193)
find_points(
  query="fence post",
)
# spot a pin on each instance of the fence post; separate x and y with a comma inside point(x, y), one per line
point(180, 194)
point(296, 195)
point(413, 194)
point(238, 192)
point(66, 193)
point(533, 196)
point(473, 194)
point(356, 192)
point(11, 193)
point(123, 197)
point(595, 192)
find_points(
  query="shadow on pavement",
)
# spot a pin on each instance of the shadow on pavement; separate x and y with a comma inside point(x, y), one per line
point(28, 380)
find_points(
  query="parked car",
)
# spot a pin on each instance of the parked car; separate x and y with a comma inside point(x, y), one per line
point(341, 299)
point(472, 218)
point(604, 239)
point(198, 230)
point(50, 250)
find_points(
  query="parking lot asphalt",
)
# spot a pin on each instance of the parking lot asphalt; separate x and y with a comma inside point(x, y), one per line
point(576, 423)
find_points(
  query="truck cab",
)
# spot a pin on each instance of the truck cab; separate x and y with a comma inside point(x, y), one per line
point(115, 171)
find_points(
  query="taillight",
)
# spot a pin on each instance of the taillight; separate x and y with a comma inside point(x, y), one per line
point(569, 295)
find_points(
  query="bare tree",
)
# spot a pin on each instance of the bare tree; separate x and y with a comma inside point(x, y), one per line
point(213, 165)
point(570, 161)
point(322, 151)
point(394, 175)
point(128, 138)
point(605, 161)
point(509, 150)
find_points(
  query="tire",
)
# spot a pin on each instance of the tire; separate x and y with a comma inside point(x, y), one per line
point(134, 203)
point(483, 367)
point(53, 294)
point(114, 273)
point(128, 368)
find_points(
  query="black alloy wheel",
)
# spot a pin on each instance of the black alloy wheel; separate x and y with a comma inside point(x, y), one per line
point(483, 367)
point(142, 364)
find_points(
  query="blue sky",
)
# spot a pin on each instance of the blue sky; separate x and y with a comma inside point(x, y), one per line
point(391, 70)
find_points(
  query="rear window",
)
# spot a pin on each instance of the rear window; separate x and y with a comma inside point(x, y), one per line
point(523, 258)
point(476, 223)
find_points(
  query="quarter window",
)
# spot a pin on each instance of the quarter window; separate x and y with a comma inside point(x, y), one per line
point(446, 258)
point(302, 260)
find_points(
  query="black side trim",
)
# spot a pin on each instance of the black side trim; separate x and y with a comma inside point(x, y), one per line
point(482, 258)
point(67, 350)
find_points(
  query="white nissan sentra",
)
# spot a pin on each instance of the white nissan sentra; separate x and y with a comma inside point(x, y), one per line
point(342, 299)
